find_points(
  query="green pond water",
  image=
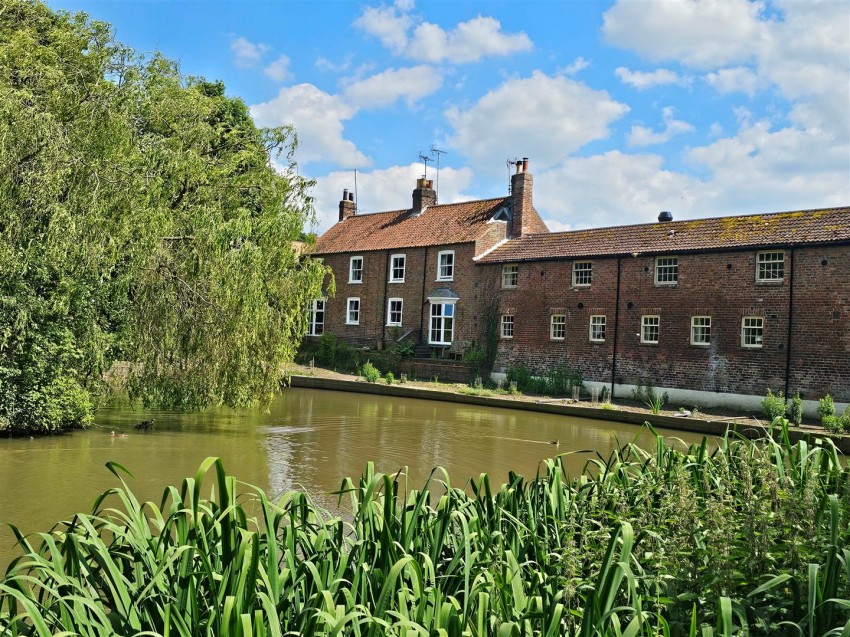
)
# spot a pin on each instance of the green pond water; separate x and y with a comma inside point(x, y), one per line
point(307, 440)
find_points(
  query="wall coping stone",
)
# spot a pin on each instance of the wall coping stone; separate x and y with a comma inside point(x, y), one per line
point(708, 427)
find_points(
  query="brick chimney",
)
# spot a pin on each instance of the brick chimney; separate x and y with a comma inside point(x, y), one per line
point(521, 183)
point(347, 206)
point(423, 196)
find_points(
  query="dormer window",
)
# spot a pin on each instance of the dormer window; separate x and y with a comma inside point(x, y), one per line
point(503, 214)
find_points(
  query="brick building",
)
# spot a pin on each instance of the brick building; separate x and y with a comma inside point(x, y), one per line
point(713, 311)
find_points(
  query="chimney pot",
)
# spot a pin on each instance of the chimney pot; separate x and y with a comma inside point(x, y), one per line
point(423, 196)
point(665, 216)
point(525, 164)
point(347, 207)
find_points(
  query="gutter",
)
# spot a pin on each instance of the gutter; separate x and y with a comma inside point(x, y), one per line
point(790, 321)
point(616, 330)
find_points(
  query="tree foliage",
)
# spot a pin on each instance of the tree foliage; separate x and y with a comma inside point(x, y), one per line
point(141, 219)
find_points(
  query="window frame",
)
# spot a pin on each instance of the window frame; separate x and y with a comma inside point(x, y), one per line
point(562, 324)
point(674, 265)
point(745, 327)
point(694, 327)
point(644, 324)
point(588, 271)
point(440, 265)
point(513, 272)
point(773, 280)
point(390, 301)
point(393, 257)
point(312, 311)
point(506, 321)
point(348, 310)
point(603, 324)
point(351, 269)
point(442, 317)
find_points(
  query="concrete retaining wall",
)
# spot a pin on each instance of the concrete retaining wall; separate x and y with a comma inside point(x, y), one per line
point(708, 427)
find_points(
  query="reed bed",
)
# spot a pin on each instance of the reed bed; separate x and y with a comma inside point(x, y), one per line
point(748, 538)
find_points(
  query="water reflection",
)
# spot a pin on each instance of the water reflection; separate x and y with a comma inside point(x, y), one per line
point(307, 440)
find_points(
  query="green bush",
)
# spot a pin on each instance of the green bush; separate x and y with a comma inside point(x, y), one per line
point(795, 411)
point(335, 353)
point(403, 349)
point(826, 407)
point(370, 372)
point(474, 355)
point(832, 424)
point(559, 381)
point(774, 406)
point(390, 378)
point(844, 420)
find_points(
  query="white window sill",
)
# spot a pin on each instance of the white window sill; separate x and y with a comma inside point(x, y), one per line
point(355, 282)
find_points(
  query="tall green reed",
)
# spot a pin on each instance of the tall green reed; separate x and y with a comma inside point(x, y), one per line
point(742, 538)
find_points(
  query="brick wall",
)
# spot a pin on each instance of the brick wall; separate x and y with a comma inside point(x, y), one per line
point(820, 336)
point(445, 371)
point(719, 285)
point(420, 281)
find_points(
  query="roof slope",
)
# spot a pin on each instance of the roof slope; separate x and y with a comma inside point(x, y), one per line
point(779, 228)
point(437, 225)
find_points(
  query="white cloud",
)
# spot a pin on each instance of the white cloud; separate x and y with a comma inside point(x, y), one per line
point(469, 41)
point(386, 87)
point(247, 53)
point(699, 33)
point(541, 117)
point(737, 79)
point(317, 117)
point(756, 170)
point(642, 136)
point(777, 170)
point(611, 189)
point(647, 79)
point(388, 23)
point(800, 47)
point(386, 189)
point(576, 66)
point(279, 69)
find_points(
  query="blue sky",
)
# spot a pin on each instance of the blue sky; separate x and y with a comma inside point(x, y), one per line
point(704, 108)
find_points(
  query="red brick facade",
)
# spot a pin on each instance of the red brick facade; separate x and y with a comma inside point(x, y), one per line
point(797, 328)
point(719, 285)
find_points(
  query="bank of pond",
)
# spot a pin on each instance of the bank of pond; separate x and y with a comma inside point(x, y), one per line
point(728, 538)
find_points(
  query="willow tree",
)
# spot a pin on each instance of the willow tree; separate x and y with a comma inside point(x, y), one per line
point(141, 220)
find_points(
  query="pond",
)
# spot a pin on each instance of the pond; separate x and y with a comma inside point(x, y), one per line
point(307, 440)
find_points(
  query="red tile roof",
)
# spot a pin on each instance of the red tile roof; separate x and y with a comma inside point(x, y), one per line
point(751, 231)
point(437, 225)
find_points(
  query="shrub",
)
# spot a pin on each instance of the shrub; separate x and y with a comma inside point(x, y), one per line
point(773, 406)
point(826, 407)
point(832, 424)
point(370, 372)
point(390, 378)
point(519, 374)
point(403, 349)
point(844, 420)
point(335, 353)
point(795, 411)
point(474, 355)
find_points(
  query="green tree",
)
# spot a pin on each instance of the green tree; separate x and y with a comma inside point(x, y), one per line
point(141, 219)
